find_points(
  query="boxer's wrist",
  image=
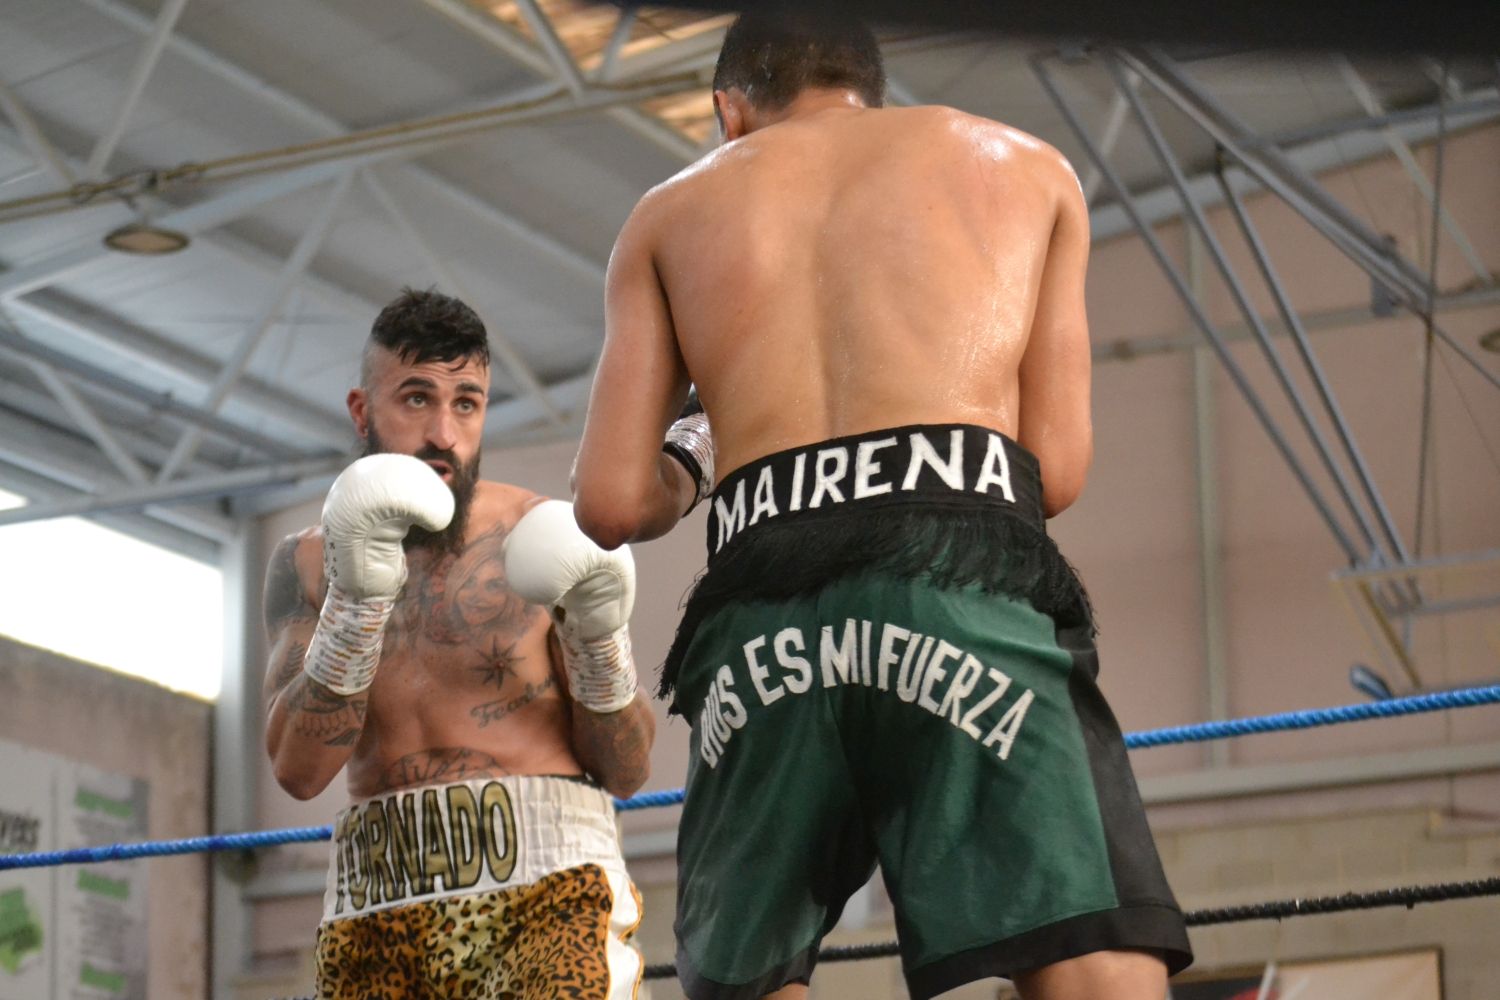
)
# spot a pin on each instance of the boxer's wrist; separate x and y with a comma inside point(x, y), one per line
point(601, 670)
point(690, 443)
point(345, 647)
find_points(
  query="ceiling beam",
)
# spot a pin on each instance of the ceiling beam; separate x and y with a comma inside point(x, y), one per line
point(72, 463)
point(693, 52)
point(332, 295)
point(233, 369)
point(148, 447)
point(294, 168)
point(130, 95)
point(617, 40)
point(569, 396)
point(322, 124)
point(506, 39)
point(1161, 204)
point(33, 138)
point(100, 331)
point(563, 66)
point(211, 487)
point(87, 420)
point(138, 526)
point(1403, 153)
point(18, 346)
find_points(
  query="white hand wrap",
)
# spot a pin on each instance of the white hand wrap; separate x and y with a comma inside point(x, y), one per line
point(345, 649)
point(590, 592)
point(601, 672)
point(369, 509)
point(690, 441)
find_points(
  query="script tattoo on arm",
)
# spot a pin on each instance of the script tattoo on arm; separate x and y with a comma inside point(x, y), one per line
point(440, 764)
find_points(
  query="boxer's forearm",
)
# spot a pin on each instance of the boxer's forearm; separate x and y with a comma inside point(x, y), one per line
point(613, 516)
point(311, 733)
point(615, 748)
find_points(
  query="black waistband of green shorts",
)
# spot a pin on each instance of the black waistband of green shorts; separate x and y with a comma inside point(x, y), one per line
point(950, 505)
point(962, 465)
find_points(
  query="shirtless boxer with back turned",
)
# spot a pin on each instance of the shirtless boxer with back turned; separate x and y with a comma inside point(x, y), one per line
point(412, 645)
point(882, 311)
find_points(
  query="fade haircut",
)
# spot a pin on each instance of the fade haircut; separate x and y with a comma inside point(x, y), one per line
point(776, 54)
point(421, 326)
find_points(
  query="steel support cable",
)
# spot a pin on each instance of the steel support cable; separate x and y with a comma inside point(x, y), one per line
point(550, 103)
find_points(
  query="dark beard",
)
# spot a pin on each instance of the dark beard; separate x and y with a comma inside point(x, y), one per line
point(450, 540)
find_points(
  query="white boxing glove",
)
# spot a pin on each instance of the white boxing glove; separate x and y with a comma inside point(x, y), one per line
point(591, 591)
point(369, 509)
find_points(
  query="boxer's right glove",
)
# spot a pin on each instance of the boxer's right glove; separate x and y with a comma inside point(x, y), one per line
point(590, 592)
point(691, 443)
point(368, 511)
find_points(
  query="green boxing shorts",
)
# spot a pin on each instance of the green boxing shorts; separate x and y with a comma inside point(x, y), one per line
point(888, 663)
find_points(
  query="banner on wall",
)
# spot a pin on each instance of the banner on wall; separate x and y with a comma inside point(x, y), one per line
point(73, 932)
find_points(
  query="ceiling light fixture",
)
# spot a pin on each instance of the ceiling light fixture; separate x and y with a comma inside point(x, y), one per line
point(144, 238)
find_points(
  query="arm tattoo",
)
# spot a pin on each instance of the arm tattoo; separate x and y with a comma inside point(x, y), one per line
point(616, 745)
point(284, 600)
point(441, 764)
point(290, 666)
point(318, 714)
point(494, 711)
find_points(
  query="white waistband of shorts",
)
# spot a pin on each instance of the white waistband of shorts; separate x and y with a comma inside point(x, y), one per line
point(465, 837)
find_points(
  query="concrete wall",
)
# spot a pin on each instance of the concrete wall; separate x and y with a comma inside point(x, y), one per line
point(1288, 638)
point(127, 726)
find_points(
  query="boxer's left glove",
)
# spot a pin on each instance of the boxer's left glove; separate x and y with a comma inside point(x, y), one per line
point(371, 506)
point(690, 441)
point(590, 592)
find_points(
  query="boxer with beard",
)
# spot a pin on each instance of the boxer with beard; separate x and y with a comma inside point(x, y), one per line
point(461, 650)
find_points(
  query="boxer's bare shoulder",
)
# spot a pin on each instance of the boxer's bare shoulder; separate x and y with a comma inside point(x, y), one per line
point(294, 579)
point(501, 505)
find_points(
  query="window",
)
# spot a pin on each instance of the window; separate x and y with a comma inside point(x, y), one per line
point(85, 591)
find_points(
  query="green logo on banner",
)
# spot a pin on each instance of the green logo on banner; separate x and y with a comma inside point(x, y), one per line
point(20, 933)
point(114, 888)
point(111, 982)
point(94, 802)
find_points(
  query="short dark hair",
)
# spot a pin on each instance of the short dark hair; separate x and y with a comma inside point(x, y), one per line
point(427, 325)
point(774, 55)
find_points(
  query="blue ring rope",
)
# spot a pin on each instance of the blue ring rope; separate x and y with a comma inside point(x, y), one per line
point(1313, 717)
point(1196, 733)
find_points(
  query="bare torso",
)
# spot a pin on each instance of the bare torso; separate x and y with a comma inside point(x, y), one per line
point(857, 269)
point(466, 685)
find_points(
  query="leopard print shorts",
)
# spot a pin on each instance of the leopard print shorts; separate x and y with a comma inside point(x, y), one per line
point(563, 937)
point(508, 888)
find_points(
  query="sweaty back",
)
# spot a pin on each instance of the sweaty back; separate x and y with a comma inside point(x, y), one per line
point(873, 267)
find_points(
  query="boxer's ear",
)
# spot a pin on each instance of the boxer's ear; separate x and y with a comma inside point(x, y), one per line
point(729, 106)
point(358, 403)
